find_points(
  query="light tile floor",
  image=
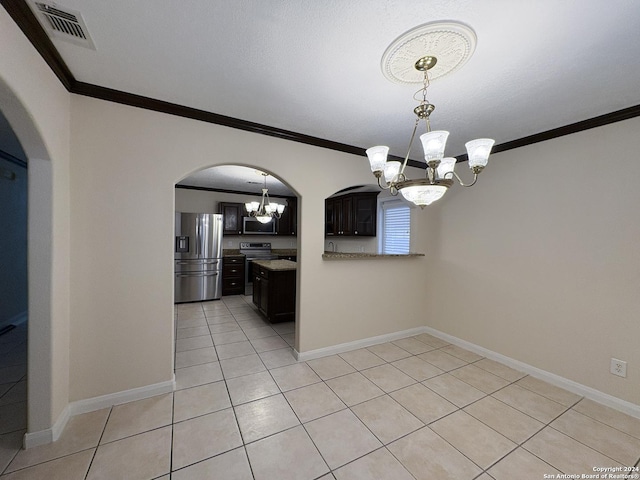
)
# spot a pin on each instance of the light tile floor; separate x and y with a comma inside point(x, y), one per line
point(13, 392)
point(244, 409)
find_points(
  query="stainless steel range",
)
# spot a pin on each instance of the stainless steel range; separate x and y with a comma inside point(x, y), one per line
point(254, 251)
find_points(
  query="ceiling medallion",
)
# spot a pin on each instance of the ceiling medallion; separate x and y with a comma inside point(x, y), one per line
point(451, 43)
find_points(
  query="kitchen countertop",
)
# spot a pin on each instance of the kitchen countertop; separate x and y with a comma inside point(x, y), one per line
point(228, 252)
point(365, 256)
point(284, 251)
point(276, 265)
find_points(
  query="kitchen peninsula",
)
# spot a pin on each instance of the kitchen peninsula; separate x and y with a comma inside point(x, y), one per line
point(274, 289)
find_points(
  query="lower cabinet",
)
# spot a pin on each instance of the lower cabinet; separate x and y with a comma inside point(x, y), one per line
point(232, 275)
point(274, 293)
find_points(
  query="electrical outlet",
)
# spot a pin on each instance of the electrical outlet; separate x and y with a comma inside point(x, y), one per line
point(619, 367)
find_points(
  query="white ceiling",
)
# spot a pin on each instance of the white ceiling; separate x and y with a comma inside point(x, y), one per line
point(313, 67)
point(236, 178)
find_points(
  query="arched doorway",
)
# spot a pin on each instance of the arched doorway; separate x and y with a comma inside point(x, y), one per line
point(236, 325)
point(13, 285)
point(40, 381)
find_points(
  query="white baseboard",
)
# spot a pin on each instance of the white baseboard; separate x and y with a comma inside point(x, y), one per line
point(111, 399)
point(49, 435)
point(574, 387)
point(365, 342)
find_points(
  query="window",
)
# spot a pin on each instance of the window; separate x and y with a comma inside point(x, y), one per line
point(395, 227)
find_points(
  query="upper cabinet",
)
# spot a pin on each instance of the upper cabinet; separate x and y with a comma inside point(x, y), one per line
point(232, 217)
point(353, 214)
point(287, 224)
point(232, 213)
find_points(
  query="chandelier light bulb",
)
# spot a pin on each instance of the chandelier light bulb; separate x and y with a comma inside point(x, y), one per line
point(446, 167)
point(433, 144)
point(478, 151)
point(377, 157)
point(391, 169)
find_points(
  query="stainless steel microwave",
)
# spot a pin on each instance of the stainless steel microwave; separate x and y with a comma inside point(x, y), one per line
point(251, 226)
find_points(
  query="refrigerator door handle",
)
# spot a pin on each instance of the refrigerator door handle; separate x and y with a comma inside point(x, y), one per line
point(196, 274)
point(198, 262)
point(198, 237)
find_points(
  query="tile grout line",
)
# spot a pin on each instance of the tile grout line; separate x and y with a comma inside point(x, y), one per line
point(515, 381)
point(93, 457)
point(244, 447)
point(173, 417)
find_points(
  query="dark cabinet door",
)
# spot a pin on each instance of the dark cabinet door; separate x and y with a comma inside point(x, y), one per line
point(264, 296)
point(257, 293)
point(287, 224)
point(365, 214)
point(346, 222)
point(231, 217)
point(261, 292)
point(330, 224)
point(338, 216)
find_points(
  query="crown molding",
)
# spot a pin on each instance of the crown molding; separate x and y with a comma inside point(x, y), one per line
point(24, 17)
point(28, 23)
point(222, 190)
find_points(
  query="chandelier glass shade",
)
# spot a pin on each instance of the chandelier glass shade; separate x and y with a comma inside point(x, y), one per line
point(440, 170)
point(266, 210)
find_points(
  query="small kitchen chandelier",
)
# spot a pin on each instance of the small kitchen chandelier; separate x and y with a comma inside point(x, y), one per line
point(443, 47)
point(266, 210)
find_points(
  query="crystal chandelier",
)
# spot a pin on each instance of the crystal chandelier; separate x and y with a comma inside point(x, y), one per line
point(266, 210)
point(440, 172)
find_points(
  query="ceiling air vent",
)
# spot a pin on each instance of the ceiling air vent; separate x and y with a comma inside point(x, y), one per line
point(64, 24)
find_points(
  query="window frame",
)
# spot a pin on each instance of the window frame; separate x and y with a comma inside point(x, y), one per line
point(385, 204)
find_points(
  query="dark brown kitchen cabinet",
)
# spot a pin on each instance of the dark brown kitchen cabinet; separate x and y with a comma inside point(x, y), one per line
point(233, 275)
point(231, 217)
point(351, 215)
point(287, 224)
point(339, 215)
point(274, 293)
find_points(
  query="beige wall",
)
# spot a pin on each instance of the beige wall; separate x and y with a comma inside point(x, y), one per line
point(541, 260)
point(37, 107)
point(125, 162)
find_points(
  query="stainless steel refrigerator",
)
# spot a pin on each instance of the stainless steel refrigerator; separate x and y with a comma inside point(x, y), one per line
point(198, 257)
